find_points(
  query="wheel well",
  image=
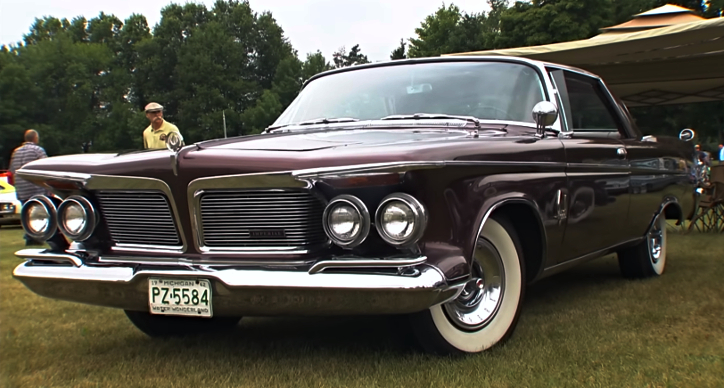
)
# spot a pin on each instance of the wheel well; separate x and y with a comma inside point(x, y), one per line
point(672, 211)
point(530, 233)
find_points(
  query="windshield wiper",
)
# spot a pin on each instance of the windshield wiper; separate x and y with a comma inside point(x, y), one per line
point(432, 116)
point(323, 120)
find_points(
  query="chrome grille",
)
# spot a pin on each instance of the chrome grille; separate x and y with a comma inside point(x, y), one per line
point(255, 219)
point(138, 218)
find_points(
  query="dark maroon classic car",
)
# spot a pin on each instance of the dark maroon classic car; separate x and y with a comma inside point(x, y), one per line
point(434, 188)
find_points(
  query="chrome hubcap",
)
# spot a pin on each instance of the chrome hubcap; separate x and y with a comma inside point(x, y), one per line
point(480, 299)
point(656, 241)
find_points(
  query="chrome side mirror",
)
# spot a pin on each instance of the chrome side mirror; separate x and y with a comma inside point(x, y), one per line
point(545, 114)
point(686, 134)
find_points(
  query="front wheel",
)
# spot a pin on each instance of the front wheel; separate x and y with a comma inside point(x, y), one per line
point(486, 312)
point(648, 258)
point(178, 326)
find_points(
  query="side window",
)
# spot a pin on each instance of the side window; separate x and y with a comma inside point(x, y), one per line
point(586, 107)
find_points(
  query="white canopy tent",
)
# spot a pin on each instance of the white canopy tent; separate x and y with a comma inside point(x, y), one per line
point(676, 64)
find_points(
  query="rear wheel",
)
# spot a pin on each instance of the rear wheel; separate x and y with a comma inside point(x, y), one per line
point(487, 310)
point(179, 326)
point(648, 258)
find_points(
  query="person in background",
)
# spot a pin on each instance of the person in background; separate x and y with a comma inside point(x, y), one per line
point(702, 155)
point(24, 190)
point(154, 136)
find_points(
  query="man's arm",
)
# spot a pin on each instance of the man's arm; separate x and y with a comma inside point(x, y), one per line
point(13, 162)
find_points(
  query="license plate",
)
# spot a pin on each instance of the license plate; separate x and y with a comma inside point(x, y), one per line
point(190, 297)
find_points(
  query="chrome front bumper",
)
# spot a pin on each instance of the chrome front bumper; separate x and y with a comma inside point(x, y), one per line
point(238, 290)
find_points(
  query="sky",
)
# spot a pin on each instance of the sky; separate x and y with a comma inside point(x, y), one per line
point(311, 25)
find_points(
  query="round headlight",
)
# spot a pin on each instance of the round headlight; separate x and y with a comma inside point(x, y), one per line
point(76, 218)
point(38, 217)
point(346, 221)
point(400, 219)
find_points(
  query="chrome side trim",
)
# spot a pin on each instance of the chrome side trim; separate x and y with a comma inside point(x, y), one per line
point(57, 175)
point(668, 200)
point(366, 263)
point(534, 206)
point(79, 257)
point(43, 255)
point(560, 267)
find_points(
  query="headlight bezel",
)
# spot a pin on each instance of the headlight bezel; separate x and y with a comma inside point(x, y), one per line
point(419, 213)
point(91, 218)
point(50, 208)
point(362, 212)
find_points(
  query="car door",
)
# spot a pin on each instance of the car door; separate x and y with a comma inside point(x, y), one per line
point(597, 167)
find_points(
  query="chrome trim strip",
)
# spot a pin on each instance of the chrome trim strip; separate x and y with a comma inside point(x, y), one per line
point(58, 175)
point(534, 206)
point(43, 255)
point(366, 263)
point(557, 268)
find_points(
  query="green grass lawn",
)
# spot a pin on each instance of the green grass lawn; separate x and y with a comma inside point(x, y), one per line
point(585, 327)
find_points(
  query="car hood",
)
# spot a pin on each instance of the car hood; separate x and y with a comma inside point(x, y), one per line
point(288, 151)
point(341, 138)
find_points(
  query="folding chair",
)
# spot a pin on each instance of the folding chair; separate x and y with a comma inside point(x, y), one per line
point(709, 213)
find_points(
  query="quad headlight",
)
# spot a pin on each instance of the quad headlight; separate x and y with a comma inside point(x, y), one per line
point(77, 218)
point(400, 219)
point(346, 221)
point(39, 218)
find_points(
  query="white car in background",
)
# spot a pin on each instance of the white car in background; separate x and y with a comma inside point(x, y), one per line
point(9, 205)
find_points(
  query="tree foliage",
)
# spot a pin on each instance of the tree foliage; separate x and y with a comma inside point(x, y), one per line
point(400, 52)
point(342, 58)
point(88, 80)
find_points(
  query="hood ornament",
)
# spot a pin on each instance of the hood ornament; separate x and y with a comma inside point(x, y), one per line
point(174, 143)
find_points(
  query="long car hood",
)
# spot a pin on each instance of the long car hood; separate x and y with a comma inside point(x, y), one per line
point(290, 151)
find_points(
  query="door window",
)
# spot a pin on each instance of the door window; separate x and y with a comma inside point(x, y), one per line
point(586, 107)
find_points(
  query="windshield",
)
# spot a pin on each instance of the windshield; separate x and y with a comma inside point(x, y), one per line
point(485, 90)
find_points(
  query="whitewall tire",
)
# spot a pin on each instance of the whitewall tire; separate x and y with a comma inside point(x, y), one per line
point(487, 311)
point(648, 258)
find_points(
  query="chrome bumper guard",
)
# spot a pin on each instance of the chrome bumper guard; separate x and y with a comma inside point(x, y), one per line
point(238, 290)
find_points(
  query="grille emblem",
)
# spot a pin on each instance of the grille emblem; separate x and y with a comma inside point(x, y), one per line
point(267, 233)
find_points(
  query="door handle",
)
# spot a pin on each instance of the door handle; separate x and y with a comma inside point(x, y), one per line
point(621, 152)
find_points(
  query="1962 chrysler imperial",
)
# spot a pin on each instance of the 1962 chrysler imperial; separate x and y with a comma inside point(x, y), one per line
point(436, 188)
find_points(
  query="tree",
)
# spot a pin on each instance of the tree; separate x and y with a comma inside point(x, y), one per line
point(315, 64)
point(543, 22)
point(263, 114)
point(449, 30)
point(399, 52)
point(354, 57)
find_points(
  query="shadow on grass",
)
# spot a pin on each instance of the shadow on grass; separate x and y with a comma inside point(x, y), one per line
point(268, 337)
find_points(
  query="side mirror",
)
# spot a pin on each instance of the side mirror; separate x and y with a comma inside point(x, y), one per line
point(545, 114)
point(686, 134)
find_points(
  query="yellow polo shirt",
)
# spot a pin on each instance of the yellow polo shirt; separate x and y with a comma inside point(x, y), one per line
point(157, 138)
